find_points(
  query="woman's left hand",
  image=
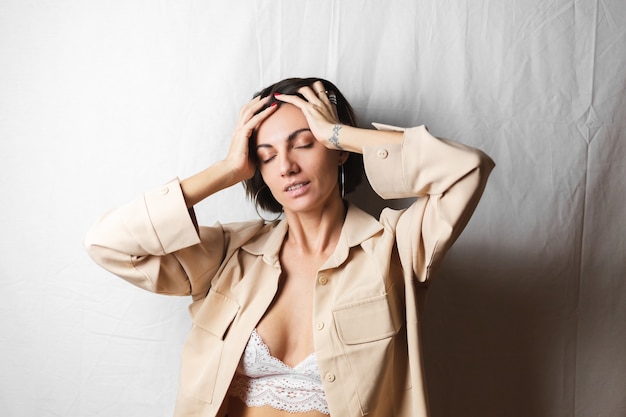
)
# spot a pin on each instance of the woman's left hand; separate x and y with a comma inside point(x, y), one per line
point(320, 113)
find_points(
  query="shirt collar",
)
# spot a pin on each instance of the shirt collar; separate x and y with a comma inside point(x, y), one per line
point(357, 228)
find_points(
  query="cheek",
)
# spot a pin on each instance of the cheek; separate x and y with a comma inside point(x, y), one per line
point(268, 174)
point(331, 165)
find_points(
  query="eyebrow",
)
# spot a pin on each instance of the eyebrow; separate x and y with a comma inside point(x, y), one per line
point(291, 137)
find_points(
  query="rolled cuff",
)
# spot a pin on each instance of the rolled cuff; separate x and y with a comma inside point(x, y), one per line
point(170, 219)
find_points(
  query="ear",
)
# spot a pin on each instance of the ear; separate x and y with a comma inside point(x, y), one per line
point(343, 157)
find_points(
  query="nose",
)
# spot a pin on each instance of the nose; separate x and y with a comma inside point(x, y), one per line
point(287, 165)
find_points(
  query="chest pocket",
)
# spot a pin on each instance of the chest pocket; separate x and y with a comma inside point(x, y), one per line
point(367, 330)
point(202, 352)
point(215, 313)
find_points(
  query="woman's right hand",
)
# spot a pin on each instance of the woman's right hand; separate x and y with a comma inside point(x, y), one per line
point(237, 166)
point(238, 156)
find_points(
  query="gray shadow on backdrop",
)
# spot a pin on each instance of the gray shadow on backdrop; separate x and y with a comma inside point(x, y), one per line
point(494, 345)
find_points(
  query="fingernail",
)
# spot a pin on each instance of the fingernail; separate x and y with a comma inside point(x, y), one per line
point(273, 104)
point(276, 94)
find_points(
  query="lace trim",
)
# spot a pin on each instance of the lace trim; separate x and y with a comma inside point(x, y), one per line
point(262, 379)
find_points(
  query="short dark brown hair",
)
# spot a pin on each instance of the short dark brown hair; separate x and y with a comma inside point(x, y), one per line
point(353, 167)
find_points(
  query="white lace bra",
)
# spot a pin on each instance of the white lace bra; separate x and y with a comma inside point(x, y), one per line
point(262, 379)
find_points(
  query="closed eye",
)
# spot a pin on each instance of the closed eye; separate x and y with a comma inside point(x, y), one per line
point(305, 146)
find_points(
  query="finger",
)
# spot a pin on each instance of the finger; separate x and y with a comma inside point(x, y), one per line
point(313, 94)
point(288, 98)
point(318, 95)
point(252, 103)
point(250, 108)
point(321, 99)
point(320, 91)
point(328, 97)
point(318, 86)
point(257, 104)
point(256, 120)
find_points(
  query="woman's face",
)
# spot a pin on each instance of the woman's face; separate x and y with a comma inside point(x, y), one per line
point(300, 172)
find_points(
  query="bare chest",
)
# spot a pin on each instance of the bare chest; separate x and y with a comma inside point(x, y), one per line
point(286, 326)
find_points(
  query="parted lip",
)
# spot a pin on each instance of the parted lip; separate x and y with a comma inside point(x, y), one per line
point(295, 184)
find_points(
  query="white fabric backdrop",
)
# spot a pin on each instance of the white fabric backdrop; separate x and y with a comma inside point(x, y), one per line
point(100, 100)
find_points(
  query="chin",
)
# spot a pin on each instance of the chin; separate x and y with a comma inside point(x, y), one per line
point(306, 206)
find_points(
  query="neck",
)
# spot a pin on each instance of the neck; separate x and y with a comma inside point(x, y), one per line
point(316, 233)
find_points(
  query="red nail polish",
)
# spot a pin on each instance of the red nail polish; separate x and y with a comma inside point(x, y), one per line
point(276, 94)
point(273, 104)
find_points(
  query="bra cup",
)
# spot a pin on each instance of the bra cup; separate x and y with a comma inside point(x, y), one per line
point(258, 362)
point(262, 379)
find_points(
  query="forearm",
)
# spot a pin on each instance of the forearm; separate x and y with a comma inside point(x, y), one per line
point(354, 139)
point(207, 182)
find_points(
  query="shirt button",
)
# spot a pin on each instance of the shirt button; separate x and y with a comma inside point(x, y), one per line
point(165, 190)
point(330, 377)
point(319, 325)
point(323, 280)
point(382, 153)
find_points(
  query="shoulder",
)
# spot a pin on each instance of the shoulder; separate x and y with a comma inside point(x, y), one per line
point(234, 234)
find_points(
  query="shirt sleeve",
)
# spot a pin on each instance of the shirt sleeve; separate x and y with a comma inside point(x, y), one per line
point(151, 242)
point(447, 178)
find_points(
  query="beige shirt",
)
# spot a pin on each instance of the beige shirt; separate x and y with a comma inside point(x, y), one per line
point(367, 294)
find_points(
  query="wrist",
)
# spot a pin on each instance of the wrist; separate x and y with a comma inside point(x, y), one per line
point(333, 140)
point(344, 138)
point(232, 172)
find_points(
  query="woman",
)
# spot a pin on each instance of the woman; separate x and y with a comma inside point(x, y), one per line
point(316, 314)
